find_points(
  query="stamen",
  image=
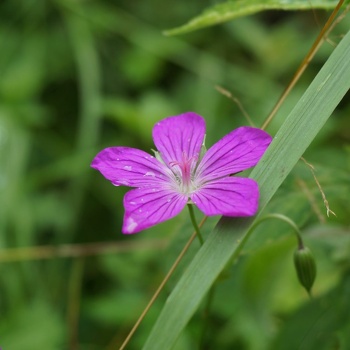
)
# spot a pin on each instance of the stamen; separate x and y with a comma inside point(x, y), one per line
point(185, 176)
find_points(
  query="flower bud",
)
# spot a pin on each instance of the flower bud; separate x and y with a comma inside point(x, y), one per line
point(305, 265)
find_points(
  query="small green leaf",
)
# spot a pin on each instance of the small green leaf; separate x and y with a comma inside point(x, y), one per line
point(229, 10)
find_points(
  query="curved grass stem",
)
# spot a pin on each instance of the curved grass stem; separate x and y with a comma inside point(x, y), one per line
point(284, 218)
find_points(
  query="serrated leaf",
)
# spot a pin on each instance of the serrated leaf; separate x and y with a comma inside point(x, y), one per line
point(232, 9)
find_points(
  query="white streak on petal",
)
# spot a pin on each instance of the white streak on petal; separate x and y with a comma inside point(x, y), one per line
point(130, 225)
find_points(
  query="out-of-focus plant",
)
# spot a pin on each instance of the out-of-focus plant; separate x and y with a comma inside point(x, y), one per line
point(76, 77)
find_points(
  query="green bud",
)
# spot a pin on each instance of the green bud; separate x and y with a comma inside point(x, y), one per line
point(306, 267)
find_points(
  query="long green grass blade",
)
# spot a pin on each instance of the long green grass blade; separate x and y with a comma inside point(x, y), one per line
point(291, 141)
point(230, 10)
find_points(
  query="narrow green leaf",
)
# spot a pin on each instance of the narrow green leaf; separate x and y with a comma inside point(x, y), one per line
point(231, 9)
point(226, 240)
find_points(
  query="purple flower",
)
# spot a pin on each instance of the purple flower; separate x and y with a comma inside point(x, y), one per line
point(180, 173)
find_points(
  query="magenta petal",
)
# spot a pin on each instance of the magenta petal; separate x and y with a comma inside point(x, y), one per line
point(145, 207)
point(230, 196)
point(239, 150)
point(180, 136)
point(130, 167)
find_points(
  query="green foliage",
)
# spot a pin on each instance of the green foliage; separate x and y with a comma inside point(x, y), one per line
point(31, 327)
point(78, 76)
point(301, 126)
point(232, 9)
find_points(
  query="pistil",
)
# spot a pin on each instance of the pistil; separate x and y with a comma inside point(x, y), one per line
point(184, 176)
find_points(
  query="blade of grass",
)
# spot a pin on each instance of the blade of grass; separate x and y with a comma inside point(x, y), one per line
point(230, 234)
point(304, 64)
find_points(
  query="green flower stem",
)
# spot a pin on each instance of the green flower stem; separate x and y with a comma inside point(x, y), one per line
point(284, 218)
point(209, 301)
point(281, 217)
point(194, 223)
point(303, 259)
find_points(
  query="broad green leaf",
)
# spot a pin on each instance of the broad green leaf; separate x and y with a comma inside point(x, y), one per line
point(230, 234)
point(232, 9)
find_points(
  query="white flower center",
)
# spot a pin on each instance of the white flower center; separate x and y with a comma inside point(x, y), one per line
point(184, 172)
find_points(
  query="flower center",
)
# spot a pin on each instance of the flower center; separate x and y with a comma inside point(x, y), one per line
point(184, 172)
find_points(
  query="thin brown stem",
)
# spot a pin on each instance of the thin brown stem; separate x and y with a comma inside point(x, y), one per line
point(337, 21)
point(236, 101)
point(76, 250)
point(325, 201)
point(312, 200)
point(304, 64)
point(159, 289)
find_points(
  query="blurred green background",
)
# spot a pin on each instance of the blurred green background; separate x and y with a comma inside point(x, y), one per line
point(78, 76)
